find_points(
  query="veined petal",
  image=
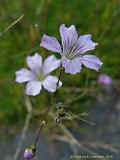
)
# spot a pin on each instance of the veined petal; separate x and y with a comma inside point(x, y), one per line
point(24, 75)
point(69, 37)
point(50, 83)
point(34, 62)
point(83, 44)
point(50, 64)
point(71, 66)
point(50, 43)
point(33, 88)
point(92, 62)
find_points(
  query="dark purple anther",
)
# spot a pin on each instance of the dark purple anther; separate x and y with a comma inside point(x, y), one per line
point(65, 108)
point(58, 106)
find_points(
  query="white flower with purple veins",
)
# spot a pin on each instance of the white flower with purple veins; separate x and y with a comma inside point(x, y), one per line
point(39, 76)
point(73, 49)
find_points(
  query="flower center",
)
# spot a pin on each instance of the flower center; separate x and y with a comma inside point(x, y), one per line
point(41, 78)
point(68, 56)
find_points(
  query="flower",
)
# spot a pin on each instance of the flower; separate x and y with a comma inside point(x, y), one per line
point(105, 79)
point(29, 152)
point(73, 49)
point(39, 74)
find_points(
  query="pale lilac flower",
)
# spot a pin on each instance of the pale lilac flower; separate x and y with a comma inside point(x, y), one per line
point(39, 76)
point(73, 49)
point(105, 79)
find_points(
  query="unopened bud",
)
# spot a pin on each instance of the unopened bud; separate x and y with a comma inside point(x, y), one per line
point(29, 152)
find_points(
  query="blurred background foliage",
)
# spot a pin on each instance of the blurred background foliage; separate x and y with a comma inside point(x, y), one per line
point(97, 17)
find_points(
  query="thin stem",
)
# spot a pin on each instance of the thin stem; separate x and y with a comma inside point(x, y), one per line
point(25, 128)
point(38, 133)
point(57, 85)
point(60, 73)
point(12, 24)
point(48, 110)
point(41, 126)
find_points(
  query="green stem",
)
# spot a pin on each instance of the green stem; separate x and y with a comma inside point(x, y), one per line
point(57, 85)
point(48, 110)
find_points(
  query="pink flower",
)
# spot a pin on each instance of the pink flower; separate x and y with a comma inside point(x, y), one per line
point(105, 79)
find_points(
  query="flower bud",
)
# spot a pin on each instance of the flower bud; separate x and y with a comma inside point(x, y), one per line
point(29, 152)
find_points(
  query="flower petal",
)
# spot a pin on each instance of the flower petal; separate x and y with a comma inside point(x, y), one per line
point(50, 83)
point(50, 43)
point(34, 62)
point(24, 75)
point(92, 62)
point(69, 37)
point(71, 66)
point(83, 44)
point(33, 88)
point(50, 64)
